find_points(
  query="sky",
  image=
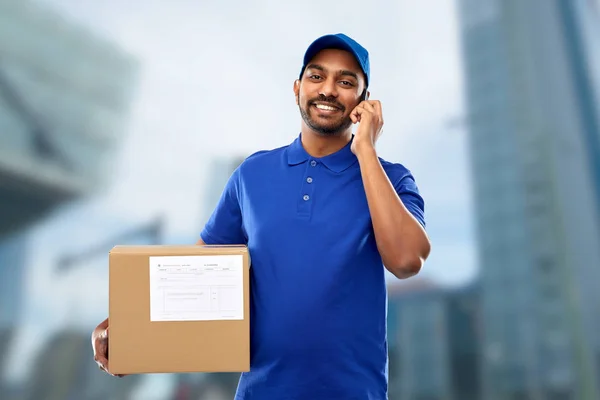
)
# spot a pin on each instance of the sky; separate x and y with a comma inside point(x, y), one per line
point(218, 79)
point(215, 79)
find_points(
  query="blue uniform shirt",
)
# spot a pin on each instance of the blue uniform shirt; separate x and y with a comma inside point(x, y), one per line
point(318, 295)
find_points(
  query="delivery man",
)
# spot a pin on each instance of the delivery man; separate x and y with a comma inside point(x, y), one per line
point(323, 217)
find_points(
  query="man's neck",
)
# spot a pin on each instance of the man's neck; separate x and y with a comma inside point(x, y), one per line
point(320, 146)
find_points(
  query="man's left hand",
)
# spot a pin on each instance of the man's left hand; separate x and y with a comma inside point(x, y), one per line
point(370, 118)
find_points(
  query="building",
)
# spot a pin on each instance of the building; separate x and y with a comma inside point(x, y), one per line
point(65, 369)
point(535, 155)
point(581, 26)
point(65, 96)
point(6, 337)
point(12, 263)
point(434, 343)
point(64, 102)
point(463, 313)
point(397, 292)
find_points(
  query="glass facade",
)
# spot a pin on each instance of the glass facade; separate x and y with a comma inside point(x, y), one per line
point(73, 88)
point(425, 363)
point(13, 252)
point(534, 163)
point(435, 344)
point(64, 102)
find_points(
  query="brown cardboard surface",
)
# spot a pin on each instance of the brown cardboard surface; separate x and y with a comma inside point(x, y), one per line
point(139, 345)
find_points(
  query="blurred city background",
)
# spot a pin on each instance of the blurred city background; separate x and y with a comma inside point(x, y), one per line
point(121, 121)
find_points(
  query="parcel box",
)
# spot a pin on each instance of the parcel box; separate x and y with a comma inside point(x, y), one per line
point(178, 309)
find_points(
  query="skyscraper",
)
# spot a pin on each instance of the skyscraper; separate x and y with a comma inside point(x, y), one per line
point(64, 102)
point(65, 96)
point(434, 342)
point(12, 262)
point(534, 138)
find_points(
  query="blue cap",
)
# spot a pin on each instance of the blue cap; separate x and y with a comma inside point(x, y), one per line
point(343, 42)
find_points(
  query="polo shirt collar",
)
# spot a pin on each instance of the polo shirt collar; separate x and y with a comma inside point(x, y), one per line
point(336, 162)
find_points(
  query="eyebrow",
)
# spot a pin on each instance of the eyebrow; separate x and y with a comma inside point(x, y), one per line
point(341, 72)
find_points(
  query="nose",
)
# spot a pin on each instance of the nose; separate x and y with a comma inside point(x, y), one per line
point(328, 88)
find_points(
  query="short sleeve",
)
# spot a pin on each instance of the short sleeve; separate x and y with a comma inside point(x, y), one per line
point(225, 223)
point(407, 190)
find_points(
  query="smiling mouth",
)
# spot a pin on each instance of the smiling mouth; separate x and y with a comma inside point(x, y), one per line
point(326, 108)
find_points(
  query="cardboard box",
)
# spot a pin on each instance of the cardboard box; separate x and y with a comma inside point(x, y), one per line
point(179, 309)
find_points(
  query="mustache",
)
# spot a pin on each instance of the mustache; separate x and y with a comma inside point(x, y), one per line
point(330, 101)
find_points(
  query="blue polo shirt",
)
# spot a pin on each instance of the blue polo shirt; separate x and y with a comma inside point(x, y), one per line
point(318, 294)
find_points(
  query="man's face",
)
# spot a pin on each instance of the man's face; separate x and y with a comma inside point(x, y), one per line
point(330, 88)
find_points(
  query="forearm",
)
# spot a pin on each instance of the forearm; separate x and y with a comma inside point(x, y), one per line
point(401, 240)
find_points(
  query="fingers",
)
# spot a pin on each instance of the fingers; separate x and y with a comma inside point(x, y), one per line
point(360, 110)
point(102, 362)
point(374, 106)
point(355, 114)
point(100, 349)
point(103, 365)
point(368, 106)
point(378, 110)
point(101, 352)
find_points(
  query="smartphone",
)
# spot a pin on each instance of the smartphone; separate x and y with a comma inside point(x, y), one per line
point(363, 97)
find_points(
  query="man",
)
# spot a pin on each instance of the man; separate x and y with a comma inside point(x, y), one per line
point(321, 217)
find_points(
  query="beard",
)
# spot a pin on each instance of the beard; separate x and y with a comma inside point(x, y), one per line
point(332, 126)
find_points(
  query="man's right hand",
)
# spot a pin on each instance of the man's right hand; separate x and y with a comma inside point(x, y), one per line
point(100, 346)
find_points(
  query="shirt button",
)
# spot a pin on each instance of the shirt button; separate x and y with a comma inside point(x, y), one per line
point(309, 179)
point(306, 197)
point(313, 163)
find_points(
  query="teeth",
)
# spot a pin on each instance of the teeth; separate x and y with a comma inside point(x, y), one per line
point(324, 107)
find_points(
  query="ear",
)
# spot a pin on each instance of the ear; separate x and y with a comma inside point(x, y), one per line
point(368, 95)
point(297, 90)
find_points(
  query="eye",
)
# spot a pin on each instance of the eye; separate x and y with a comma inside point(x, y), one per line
point(314, 77)
point(347, 83)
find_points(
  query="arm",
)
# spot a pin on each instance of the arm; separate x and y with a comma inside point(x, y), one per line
point(401, 239)
point(223, 227)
